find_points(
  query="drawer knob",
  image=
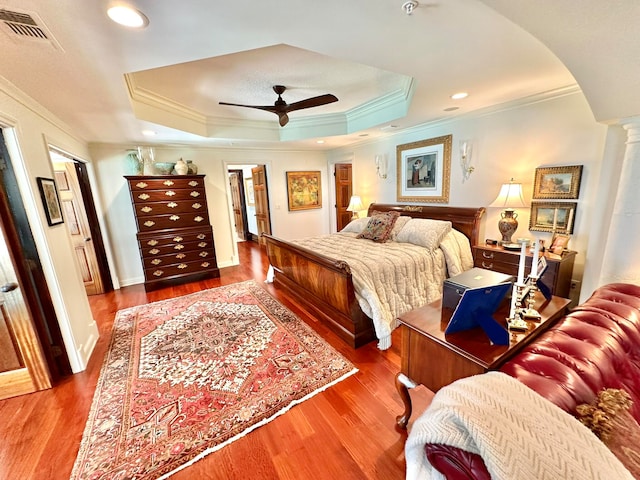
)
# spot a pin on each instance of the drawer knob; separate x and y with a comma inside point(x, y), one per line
point(169, 193)
point(198, 219)
point(179, 247)
point(172, 204)
point(152, 243)
point(488, 266)
point(196, 205)
point(487, 255)
point(201, 236)
point(193, 183)
point(180, 256)
point(143, 196)
point(146, 209)
point(205, 264)
point(202, 244)
point(141, 185)
point(168, 183)
point(203, 254)
point(177, 239)
point(154, 251)
point(156, 261)
point(195, 194)
point(158, 273)
point(182, 266)
point(149, 223)
point(174, 218)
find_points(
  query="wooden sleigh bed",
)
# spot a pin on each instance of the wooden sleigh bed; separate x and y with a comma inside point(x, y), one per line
point(324, 286)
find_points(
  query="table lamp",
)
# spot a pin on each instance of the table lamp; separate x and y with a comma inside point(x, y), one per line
point(355, 205)
point(509, 198)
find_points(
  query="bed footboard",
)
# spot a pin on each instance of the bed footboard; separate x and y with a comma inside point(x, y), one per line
point(322, 285)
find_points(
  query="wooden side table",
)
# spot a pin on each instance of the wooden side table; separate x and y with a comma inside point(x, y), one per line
point(433, 359)
point(557, 276)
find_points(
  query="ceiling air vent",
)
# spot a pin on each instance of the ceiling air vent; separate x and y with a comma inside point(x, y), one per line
point(25, 26)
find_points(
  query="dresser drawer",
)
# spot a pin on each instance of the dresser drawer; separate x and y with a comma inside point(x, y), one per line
point(174, 194)
point(159, 239)
point(163, 272)
point(142, 183)
point(175, 249)
point(496, 256)
point(175, 220)
point(161, 208)
point(188, 254)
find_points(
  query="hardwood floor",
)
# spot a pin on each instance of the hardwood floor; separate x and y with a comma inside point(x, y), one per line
point(346, 432)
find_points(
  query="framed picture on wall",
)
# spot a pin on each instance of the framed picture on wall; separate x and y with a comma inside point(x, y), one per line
point(557, 182)
point(552, 217)
point(248, 192)
point(50, 200)
point(304, 190)
point(424, 170)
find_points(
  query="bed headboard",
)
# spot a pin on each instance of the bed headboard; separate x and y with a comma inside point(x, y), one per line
point(465, 220)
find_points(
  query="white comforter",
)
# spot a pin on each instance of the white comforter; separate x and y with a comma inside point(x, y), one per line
point(391, 278)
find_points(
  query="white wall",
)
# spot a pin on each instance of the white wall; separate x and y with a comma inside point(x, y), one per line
point(507, 143)
point(29, 129)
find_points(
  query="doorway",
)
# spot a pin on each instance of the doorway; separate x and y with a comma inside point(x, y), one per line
point(248, 218)
point(32, 354)
point(344, 189)
point(81, 220)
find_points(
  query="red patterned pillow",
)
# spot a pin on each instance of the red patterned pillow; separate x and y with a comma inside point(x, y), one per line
point(379, 227)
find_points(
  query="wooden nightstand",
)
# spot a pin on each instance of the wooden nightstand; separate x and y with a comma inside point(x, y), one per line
point(433, 359)
point(557, 276)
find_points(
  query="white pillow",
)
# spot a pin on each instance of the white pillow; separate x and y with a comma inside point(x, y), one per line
point(424, 232)
point(357, 225)
point(401, 221)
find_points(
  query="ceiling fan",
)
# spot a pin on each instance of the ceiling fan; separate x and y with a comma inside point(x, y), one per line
point(281, 108)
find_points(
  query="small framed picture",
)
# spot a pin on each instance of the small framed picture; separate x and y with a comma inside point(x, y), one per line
point(555, 217)
point(559, 243)
point(557, 182)
point(50, 200)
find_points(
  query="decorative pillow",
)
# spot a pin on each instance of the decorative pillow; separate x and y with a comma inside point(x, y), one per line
point(379, 227)
point(424, 232)
point(609, 418)
point(357, 225)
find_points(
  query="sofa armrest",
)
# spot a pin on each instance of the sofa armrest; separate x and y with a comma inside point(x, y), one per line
point(456, 464)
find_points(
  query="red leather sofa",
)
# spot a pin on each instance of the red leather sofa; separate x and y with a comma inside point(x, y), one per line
point(596, 346)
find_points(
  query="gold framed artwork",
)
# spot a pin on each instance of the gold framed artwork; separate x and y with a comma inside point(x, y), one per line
point(557, 182)
point(50, 200)
point(554, 217)
point(248, 192)
point(424, 170)
point(304, 190)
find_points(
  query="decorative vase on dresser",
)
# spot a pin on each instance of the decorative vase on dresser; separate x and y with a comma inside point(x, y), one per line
point(174, 233)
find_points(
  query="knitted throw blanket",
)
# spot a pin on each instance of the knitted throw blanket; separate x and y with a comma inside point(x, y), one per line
point(519, 434)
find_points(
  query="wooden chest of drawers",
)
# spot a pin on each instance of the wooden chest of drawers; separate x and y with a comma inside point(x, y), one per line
point(557, 276)
point(174, 233)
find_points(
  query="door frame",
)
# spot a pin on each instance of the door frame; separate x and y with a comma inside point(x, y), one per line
point(101, 246)
point(346, 158)
point(235, 165)
point(243, 202)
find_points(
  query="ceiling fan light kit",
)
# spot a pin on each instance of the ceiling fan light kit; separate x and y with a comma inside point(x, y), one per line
point(281, 108)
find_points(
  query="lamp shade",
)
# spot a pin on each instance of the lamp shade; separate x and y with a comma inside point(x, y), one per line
point(510, 196)
point(355, 204)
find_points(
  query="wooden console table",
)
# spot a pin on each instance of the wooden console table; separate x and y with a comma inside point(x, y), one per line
point(434, 360)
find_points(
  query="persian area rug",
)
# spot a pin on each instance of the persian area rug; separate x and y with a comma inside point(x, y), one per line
point(186, 376)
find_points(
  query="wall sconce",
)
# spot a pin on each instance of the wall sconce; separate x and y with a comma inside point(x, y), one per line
point(355, 205)
point(510, 196)
point(381, 166)
point(465, 159)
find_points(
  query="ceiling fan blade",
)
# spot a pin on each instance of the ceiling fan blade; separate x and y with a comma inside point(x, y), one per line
point(283, 118)
point(312, 102)
point(268, 108)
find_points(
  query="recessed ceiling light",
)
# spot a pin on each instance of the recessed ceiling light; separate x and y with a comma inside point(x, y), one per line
point(148, 133)
point(128, 16)
point(319, 141)
point(459, 95)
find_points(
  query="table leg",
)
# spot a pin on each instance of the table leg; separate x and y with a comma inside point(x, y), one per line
point(403, 384)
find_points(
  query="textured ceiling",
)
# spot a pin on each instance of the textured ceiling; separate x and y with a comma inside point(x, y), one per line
point(110, 83)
